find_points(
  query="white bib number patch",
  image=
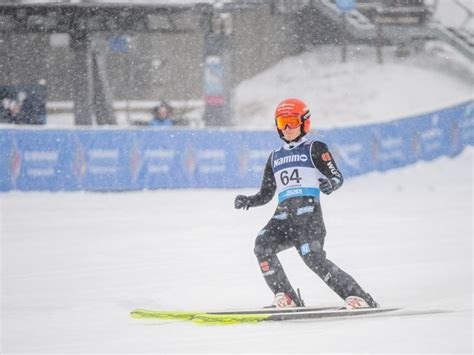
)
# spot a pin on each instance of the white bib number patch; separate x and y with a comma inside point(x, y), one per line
point(287, 176)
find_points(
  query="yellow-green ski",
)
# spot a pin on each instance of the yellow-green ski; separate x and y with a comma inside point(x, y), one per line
point(149, 314)
point(199, 317)
point(206, 318)
point(237, 317)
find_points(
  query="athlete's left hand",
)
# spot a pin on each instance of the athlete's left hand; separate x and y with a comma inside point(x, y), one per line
point(327, 185)
point(242, 202)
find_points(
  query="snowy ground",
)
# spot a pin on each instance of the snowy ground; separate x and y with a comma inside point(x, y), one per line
point(75, 264)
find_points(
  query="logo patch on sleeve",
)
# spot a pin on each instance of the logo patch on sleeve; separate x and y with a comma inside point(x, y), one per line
point(326, 156)
point(305, 249)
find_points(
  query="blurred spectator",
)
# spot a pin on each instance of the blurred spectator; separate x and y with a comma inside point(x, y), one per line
point(162, 115)
point(9, 111)
point(23, 104)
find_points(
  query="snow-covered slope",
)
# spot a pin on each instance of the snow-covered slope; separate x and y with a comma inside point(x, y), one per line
point(75, 264)
point(361, 90)
point(358, 91)
point(454, 13)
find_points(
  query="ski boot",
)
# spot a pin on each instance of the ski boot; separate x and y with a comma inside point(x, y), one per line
point(282, 300)
point(355, 302)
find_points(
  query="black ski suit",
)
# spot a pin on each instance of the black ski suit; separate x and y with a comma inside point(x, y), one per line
point(298, 222)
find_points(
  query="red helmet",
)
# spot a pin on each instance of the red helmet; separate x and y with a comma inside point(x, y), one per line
point(295, 113)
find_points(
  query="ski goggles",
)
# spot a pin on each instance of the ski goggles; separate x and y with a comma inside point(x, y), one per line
point(290, 121)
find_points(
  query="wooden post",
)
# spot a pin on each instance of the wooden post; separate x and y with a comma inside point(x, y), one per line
point(82, 81)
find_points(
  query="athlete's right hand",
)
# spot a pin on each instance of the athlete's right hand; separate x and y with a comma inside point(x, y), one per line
point(242, 202)
point(328, 185)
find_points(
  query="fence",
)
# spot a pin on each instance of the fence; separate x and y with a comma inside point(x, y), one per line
point(117, 160)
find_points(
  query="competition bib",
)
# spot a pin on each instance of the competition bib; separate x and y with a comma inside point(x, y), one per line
point(295, 173)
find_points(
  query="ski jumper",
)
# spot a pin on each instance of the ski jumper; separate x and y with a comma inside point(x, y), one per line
point(292, 173)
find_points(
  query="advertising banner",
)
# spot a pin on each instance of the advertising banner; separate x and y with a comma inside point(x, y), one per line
point(147, 158)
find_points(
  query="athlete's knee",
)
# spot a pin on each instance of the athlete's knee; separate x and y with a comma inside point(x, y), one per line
point(313, 254)
point(261, 249)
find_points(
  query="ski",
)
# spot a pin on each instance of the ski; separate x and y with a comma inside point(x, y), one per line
point(207, 318)
point(183, 315)
point(256, 316)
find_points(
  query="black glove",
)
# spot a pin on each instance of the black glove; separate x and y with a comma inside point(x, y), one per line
point(328, 185)
point(242, 202)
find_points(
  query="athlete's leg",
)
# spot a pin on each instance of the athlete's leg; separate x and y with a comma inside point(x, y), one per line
point(310, 237)
point(272, 239)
